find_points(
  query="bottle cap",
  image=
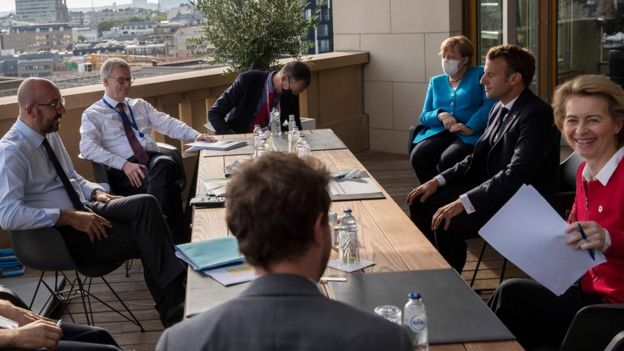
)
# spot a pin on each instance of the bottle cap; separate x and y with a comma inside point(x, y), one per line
point(414, 296)
point(347, 210)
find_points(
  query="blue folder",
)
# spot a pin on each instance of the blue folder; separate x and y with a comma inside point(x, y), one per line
point(202, 255)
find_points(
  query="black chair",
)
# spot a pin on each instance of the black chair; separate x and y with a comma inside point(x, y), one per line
point(413, 131)
point(617, 343)
point(44, 249)
point(594, 327)
point(561, 201)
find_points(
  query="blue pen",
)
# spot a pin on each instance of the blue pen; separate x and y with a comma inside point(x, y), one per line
point(591, 252)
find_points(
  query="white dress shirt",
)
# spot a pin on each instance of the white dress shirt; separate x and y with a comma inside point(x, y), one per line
point(31, 193)
point(103, 138)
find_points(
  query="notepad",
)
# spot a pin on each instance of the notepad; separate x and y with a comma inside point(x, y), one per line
point(350, 187)
point(221, 145)
point(206, 254)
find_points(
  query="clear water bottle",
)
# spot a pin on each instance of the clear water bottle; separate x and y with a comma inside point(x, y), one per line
point(415, 320)
point(348, 243)
point(293, 137)
point(276, 128)
point(262, 147)
point(333, 222)
point(291, 123)
point(257, 134)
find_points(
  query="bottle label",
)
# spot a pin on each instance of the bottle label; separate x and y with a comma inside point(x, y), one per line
point(417, 323)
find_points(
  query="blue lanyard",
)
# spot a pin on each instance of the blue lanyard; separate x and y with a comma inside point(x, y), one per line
point(124, 117)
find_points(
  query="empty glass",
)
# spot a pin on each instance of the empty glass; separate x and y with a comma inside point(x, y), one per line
point(390, 312)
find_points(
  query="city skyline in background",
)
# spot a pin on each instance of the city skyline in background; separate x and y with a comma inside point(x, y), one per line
point(83, 4)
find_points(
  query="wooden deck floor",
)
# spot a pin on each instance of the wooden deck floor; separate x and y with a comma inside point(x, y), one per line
point(392, 171)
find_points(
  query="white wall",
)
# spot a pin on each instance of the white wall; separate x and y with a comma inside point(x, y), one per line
point(403, 38)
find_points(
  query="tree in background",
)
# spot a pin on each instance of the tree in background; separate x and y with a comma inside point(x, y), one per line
point(254, 34)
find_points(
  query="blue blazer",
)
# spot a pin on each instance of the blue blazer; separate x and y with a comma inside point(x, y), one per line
point(467, 103)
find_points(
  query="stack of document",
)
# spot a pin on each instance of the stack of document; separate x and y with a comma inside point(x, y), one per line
point(221, 145)
point(218, 258)
point(353, 185)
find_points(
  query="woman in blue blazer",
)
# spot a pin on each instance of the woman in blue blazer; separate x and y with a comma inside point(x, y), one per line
point(455, 112)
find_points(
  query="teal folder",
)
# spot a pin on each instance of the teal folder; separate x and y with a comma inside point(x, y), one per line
point(206, 254)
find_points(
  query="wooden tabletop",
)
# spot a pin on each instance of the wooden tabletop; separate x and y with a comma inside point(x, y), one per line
point(387, 236)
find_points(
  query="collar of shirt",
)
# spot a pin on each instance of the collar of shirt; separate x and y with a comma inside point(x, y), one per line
point(511, 103)
point(111, 101)
point(33, 138)
point(607, 171)
point(270, 81)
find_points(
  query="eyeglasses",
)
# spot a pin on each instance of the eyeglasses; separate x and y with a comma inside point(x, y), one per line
point(54, 104)
point(123, 80)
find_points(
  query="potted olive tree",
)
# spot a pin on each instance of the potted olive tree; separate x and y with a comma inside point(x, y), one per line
point(254, 34)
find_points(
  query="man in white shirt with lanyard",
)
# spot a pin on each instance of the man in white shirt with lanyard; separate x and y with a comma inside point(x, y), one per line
point(116, 131)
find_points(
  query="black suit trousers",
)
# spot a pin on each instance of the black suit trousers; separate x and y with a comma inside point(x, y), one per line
point(138, 230)
point(451, 242)
point(161, 181)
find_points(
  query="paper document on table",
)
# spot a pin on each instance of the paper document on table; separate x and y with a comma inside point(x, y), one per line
point(231, 275)
point(221, 145)
point(215, 186)
point(529, 232)
point(354, 188)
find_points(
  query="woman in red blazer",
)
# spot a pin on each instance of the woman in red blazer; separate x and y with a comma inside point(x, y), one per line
point(589, 110)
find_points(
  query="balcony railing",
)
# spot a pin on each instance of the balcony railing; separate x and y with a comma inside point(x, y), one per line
point(334, 99)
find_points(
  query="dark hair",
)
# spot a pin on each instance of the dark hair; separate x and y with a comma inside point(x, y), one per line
point(518, 60)
point(272, 204)
point(298, 71)
point(591, 85)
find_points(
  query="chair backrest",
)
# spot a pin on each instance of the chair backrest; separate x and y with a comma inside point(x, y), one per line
point(594, 327)
point(42, 249)
point(567, 172)
point(617, 343)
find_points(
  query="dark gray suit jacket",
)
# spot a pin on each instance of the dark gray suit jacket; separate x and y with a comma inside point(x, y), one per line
point(524, 151)
point(235, 109)
point(284, 312)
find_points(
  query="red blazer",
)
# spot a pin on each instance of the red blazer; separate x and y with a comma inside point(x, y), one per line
point(606, 208)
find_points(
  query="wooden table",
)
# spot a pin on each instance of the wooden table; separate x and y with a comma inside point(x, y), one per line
point(388, 237)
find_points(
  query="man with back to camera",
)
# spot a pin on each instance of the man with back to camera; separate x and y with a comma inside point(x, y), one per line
point(245, 104)
point(40, 188)
point(520, 145)
point(116, 131)
point(283, 308)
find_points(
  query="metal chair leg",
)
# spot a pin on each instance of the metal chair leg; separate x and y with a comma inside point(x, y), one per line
point(474, 274)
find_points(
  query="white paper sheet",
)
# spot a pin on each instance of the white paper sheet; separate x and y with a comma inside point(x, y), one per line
point(231, 275)
point(221, 145)
point(530, 233)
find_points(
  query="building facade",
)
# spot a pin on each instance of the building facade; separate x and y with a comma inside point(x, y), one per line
point(322, 37)
point(38, 37)
point(41, 11)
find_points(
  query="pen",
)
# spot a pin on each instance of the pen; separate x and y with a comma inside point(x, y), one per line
point(58, 323)
point(591, 252)
point(333, 279)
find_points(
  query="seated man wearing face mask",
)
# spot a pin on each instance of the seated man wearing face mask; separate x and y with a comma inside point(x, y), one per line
point(454, 114)
point(252, 96)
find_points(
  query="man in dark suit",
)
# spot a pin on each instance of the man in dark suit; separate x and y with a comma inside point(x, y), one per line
point(252, 96)
point(283, 308)
point(519, 146)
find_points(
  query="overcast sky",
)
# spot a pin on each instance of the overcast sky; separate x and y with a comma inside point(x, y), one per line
point(77, 3)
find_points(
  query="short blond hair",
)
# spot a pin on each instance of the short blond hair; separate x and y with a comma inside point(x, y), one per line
point(461, 43)
point(591, 85)
point(109, 66)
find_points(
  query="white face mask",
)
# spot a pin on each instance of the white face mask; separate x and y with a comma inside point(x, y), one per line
point(450, 67)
